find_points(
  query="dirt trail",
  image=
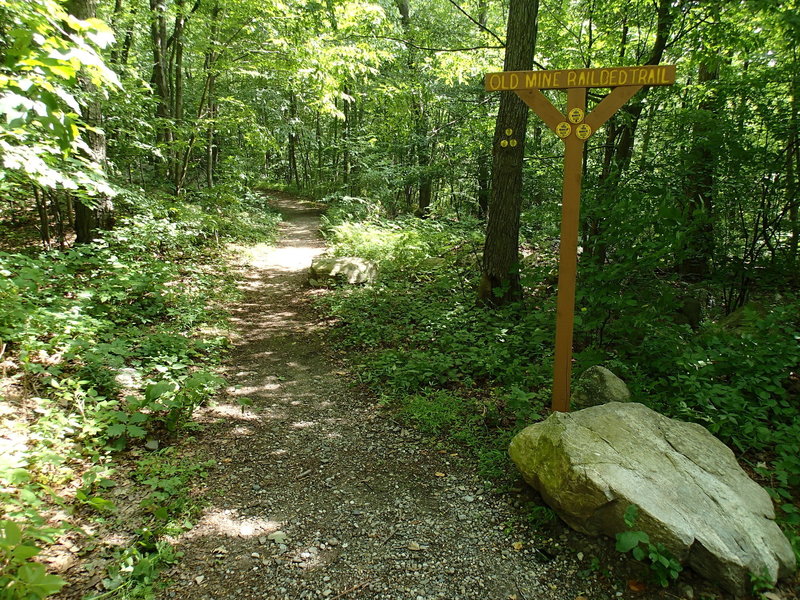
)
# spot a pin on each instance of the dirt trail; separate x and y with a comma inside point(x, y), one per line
point(319, 494)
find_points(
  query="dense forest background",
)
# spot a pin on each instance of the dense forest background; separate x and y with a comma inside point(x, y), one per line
point(136, 135)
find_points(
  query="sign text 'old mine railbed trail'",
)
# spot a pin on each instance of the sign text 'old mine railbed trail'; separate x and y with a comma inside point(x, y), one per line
point(574, 129)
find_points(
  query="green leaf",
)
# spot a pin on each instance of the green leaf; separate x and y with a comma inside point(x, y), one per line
point(24, 552)
point(19, 476)
point(631, 514)
point(116, 430)
point(138, 417)
point(39, 583)
point(10, 534)
point(628, 540)
point(136, 432)
point(101, 504)
point(157, 390)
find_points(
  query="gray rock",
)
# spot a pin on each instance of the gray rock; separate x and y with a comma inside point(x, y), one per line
point(279, 537)
point(349, 269)
point(692, 495)
point(598, 385)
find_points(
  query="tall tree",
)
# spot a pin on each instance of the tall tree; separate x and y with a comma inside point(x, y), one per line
point(421, 147)
point(500, 282)
point(99, 214)
point(621, 133)
point(698, 245)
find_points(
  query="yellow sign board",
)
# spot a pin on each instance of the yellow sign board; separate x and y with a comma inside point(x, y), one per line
point(580, 78)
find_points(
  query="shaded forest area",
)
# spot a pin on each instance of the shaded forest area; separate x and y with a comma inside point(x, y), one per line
point(138, 135)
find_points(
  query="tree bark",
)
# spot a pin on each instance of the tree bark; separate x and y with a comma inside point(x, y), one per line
point(500, 279)
point(483, 154)
point(160, 77)
point(100, 215)
point(792, 168)
point(698, 249)
point(421, 146)
point(292, 173)
point(620, 136)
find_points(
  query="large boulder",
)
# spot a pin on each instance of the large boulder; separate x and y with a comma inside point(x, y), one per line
point(692, 495)
point(598, 385)
point(326, 270)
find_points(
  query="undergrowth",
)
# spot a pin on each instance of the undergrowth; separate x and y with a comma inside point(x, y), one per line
point(473, 376)
point(108, 347)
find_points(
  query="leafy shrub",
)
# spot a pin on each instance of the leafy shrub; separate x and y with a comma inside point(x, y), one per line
point(403, 244)
point(663, 566)
point(21, 578)
point(112, 337)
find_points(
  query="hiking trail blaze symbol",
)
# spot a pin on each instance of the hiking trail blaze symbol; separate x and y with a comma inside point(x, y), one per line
point(574, 128)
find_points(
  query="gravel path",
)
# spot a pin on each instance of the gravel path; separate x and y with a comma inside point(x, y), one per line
point(319, 494)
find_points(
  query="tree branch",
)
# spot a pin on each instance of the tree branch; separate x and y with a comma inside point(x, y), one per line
point(481, 27)
point(426, 48)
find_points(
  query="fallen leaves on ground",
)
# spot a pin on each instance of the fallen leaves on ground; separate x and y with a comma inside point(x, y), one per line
point(635, 585)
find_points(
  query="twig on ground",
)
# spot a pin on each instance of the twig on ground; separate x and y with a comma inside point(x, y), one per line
point(388, 537)
point(521, 595)
point(355, 588)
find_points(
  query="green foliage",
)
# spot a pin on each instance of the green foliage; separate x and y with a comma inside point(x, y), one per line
point(760, 584)
point(22, 533)
point(405, 244)
point(172, 508)
point(169, 479)
point(434, 335)
point(540, 515)
point(137, 570)
point(120, 340)
point(736, 380)
point(45, 50)
point(20, 577)
point(663, 566)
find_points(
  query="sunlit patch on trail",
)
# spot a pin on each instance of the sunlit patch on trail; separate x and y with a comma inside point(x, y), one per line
point(289, 259)
point(232, 411)
point(246, 390)
point(226, 522)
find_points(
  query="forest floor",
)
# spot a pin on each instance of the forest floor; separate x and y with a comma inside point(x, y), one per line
point(319, 493)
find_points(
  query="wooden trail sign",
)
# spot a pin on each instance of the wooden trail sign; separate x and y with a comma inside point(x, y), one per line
point(574, 129)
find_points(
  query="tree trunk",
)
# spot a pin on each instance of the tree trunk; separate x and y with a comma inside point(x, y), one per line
point(119, 54)
point(160, 78)
point(346, 109)
point(698, 249)
point(292, 174)
point(792, 167)
point(421, 146)
point(620, 136)
point(44, 219)
point(483, 163)
point(90, 219)
point(483, 188)
point(500, 279)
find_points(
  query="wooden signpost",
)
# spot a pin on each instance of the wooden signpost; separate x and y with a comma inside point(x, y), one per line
point(574, 129)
